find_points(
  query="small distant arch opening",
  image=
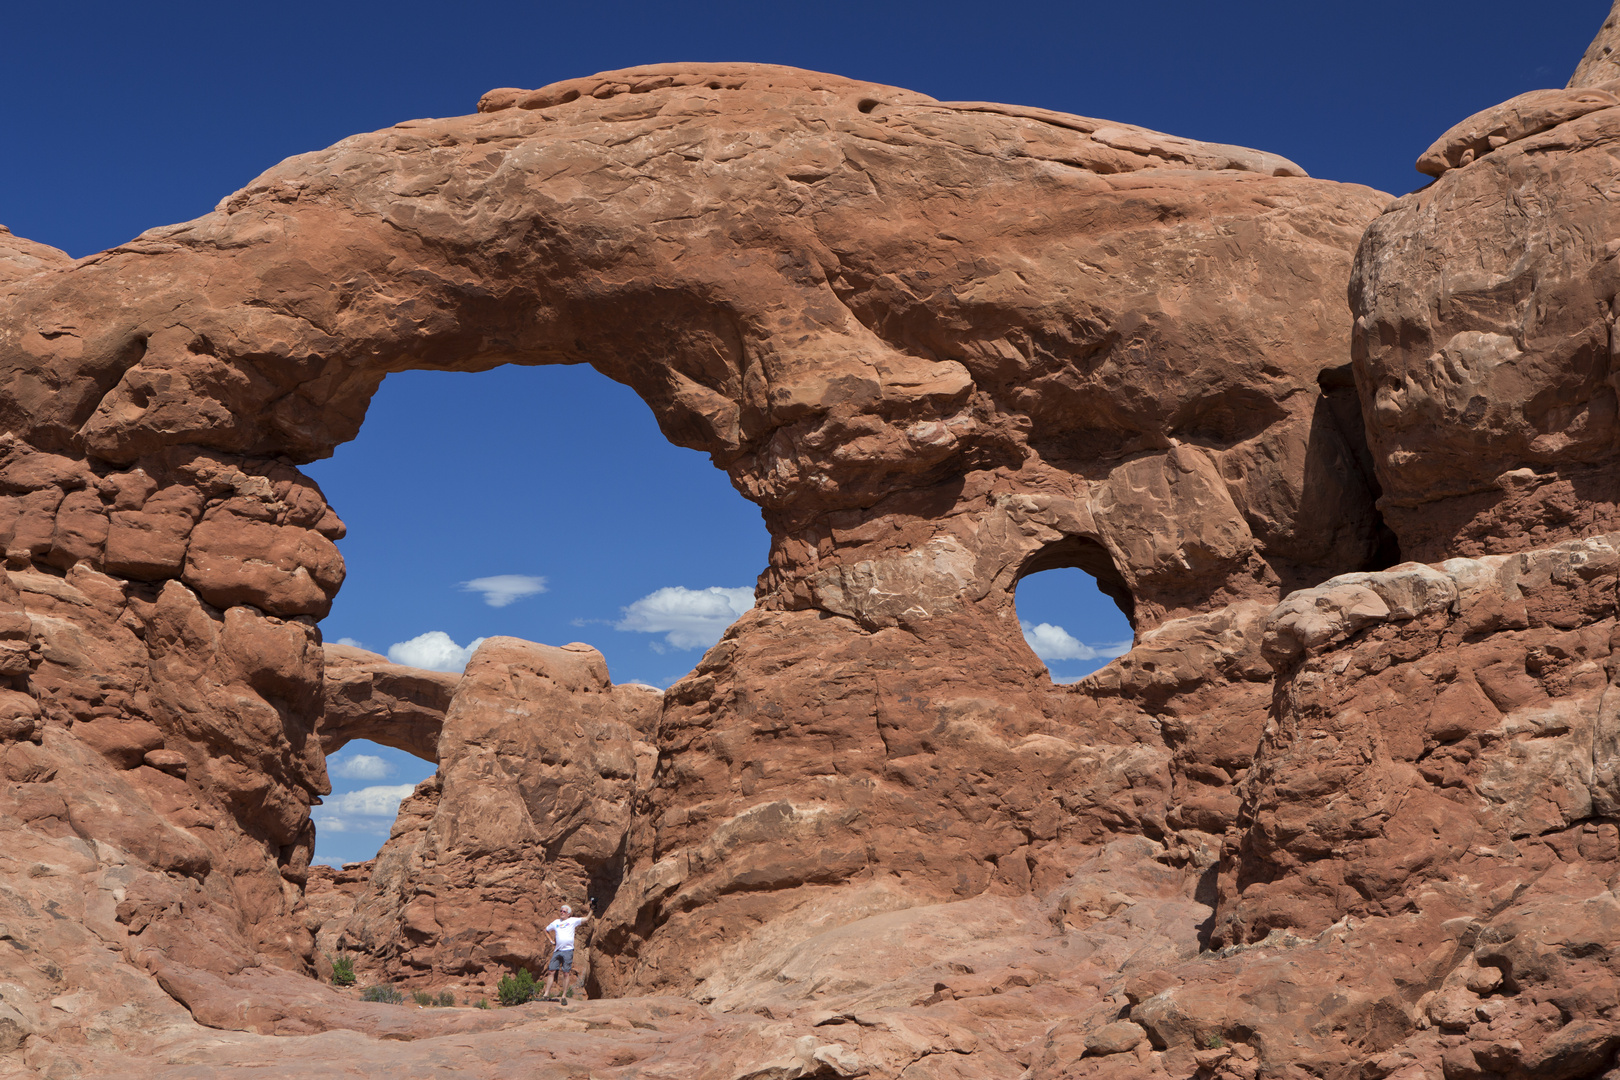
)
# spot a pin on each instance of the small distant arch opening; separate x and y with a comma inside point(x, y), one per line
point(1074, 609)
point(369, 781)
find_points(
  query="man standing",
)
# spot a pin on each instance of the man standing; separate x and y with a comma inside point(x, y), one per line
point(561, 931)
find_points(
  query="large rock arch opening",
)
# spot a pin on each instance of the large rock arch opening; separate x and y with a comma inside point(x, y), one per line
point(520, 799)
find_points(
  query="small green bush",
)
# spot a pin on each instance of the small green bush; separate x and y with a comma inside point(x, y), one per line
point(483, 1003)
point(342, 970)
point(446, 999)
point(385, 994)
point(1214, 1042)
point(517, 990)
point(422, 998)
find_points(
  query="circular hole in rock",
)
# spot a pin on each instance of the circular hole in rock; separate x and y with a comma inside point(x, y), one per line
point(1069, 621)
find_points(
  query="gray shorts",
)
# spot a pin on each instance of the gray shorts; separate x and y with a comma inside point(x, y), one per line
point(561, 960)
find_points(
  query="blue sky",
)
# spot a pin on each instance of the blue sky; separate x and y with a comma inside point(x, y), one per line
point(555, 482)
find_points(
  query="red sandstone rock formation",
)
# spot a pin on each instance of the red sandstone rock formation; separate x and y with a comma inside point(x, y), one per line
point(1328, 817)
point(1482, 340)
point(20, 257)
point(1600, 64)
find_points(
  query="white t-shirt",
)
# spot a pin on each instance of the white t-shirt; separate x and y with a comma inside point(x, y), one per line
point(565, 931)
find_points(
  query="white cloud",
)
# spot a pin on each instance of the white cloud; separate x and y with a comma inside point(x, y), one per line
point(688, 618)
point(328, 860)
point(433, 650)
point(503, 589)
point(369, 810)
point(1051, 643)
point(331, 823)
point(359, 767)
point(350, 642)
point(381, 800)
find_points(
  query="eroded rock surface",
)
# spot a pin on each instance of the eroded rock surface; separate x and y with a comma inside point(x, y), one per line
point(1329, 816)
point(1600, 64)
point(21, 257)
point(1484, 311)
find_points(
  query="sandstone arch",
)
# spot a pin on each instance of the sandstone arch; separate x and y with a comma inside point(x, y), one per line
point(935, 342)
point(364, 696)
point(898, 400)
point(1390, 800)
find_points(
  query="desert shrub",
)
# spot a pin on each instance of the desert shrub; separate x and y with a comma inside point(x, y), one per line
point(483, 1003)
point(386, 994)
point(446, 999)
point(342, 970)
point(515, 990)
point(422, 998)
